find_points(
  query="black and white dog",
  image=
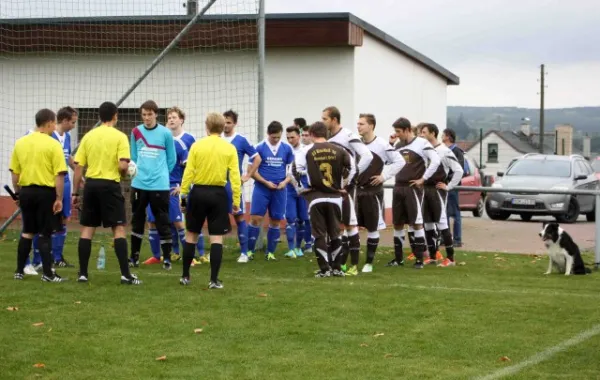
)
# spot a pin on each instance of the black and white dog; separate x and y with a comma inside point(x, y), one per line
point(562, 250)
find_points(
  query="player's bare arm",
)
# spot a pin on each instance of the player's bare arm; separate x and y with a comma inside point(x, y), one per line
point(252, 168)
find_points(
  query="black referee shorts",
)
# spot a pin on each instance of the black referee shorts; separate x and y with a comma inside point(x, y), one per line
point(36, 207)
point(208, 203)
point(103, 204)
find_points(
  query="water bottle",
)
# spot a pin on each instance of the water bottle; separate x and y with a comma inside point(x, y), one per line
point(101, 259)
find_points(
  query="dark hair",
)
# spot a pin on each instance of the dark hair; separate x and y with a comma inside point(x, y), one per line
point(149, 105)
point(274, 127)
point(232, 115)
point(44, 116)
point(402, 123)
point(318, 129)
point(369, 117)
point(431, 128)
point(300, 121)
point(306, 128)
point(107, 111)
point(293, 128)
point(333, 113)
point(65, 113)
point(451, 134)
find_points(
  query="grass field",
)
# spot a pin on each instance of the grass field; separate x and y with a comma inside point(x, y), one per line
point(273, 320)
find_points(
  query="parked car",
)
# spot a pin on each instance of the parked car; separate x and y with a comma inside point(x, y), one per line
point(543, 171)
point(474, 201)
point(596, 167)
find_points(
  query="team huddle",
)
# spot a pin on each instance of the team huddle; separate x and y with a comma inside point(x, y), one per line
point(325, 182)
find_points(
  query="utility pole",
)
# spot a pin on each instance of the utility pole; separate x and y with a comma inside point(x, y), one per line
point(542, 86)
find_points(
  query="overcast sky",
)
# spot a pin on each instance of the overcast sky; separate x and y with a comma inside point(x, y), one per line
point(494, 46)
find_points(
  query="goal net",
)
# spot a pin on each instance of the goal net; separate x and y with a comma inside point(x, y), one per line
point(80, 53)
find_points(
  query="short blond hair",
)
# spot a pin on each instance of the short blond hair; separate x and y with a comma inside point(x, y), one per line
point(215, 123)
point(178, 111)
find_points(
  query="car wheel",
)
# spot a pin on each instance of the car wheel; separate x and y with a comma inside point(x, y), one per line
point(478, 212)
point(526, 217)
point(591, 216)
point(572, 213)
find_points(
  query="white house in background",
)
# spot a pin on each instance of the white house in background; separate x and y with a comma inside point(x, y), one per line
point(312, 61)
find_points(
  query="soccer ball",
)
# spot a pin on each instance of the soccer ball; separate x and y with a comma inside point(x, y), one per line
point(131, 170)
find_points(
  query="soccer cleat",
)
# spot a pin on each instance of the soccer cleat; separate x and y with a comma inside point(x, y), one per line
point(447, 263)
point(418, 265)
point(204, 259)
point(352, 271)
point(368, 268)
point(250, 255)
point(411, 257)
point(133, 263)
point(38, 267)
point(337, 273)
point(395, 263)
point(308, 251)
point(19, 276)
point(152, 260)
point(344, 268)
point(81, 278)
point(270, 257)
point(184, 281)
point(321, 274)
point(131, 280)
point(439, 256)
point(63, 264)
point(242, 259)
point(175, 257)
point(30, 270)
point(429, 261)
point(291, 254)
point(167, 265)
point(215, 285)
point(55, 278)
point(299, 253)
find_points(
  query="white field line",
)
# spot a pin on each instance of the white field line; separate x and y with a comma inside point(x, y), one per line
point(544, 355)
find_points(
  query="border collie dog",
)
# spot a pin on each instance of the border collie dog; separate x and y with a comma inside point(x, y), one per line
point(563, 253)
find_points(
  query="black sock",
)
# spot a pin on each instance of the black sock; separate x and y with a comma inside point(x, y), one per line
point(189, 249)
point(411, 240)
point(84, 248)
point(136, 246)
point(372, 244)
point(216, 254)
point(345, 249)
point(430, 238)
point(354, 246)
point(121, 252)
point(419, 249)
point(166, 249)
point(45, 247)
point(448, 243)
point(22, 253)
point(336, 253)
point(398, 253)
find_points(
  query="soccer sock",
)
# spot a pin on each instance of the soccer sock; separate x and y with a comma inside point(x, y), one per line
point(23, 253)
point(200, 244)
point(345, 247)
point(154, 242)
point(136, 245)
point(398, 245)
point(308, 240)
point(188, 255)
point(320, 248)
point(58, 243)
point(335, 251)
point(420, 245)
point(84, 250)
point(121, 252)
point(165, 246)
point(411, 239)
point(300, 233)
point(45, 245)
point(243, 236)
point(37, 259)
point(290, 233)
point(273, 235)
point(175, 239)
point(372, 243)
point(430, 238)
point(253, 232)
point(448, 243)
point(216, 254)
point(354, 245)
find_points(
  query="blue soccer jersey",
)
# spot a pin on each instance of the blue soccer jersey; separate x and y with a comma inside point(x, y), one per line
point(243, 147)
point(182, 151)
point(187, 138)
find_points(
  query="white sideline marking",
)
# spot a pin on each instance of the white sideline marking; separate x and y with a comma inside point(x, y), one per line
point(544, 355)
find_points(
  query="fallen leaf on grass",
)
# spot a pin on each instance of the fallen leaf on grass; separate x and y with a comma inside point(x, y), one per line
point(364, 345)
point(534, 261)
point(77, 302)
point(505, 359)
point(481, 257)
point(262, 295)
point(462, 263)
point(197, 331)
point(387, 356)
point(38, 324)
point(378, 334)
point(161, 358)
point(50, 329)
point(39, 365)
point(12, 308)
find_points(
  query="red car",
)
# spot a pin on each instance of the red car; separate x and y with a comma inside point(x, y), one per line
point(474, 201)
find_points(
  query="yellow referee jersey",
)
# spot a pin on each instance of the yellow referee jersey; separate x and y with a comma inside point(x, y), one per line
point(209, 161)
point(100, 150)
point(38, 158)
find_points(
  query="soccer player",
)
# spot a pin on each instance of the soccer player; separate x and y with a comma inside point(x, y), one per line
point(153, 150)
point(67, 120)
point(174, 121)
point(386, 163)
point(243, 148)
point(269, 192)
point(304, 225)
point(325, 164)
point(211, 160)
point(356, 148)
point(37, 167)
point(421, 163)
point(445, 178)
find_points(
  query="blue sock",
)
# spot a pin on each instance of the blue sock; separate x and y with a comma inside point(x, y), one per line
point(200, 245)
point(58, 243)
point(253, 233)
point(174, 240)
point(299, 233)
point(154, 242)
point(290, 233)
point(307, 235)
point(37, 258)
point(243, 236)
point(272, 237)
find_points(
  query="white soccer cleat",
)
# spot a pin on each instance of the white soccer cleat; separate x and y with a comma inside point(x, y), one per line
point(243, 259)
point(368, 268)
point(30, 270)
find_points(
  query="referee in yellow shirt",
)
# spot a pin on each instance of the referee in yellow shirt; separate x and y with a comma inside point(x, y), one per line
point(38, 170)
point(204, 198)
point(105, 152)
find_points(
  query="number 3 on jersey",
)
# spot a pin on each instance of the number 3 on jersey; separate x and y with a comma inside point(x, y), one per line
point(327, 171)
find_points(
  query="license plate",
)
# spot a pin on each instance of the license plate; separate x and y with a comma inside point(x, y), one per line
point(523, 202)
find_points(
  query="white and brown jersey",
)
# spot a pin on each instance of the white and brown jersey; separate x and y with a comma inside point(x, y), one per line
point(421, 159)
point(449, 167)
point(386, 161)
point(353, 145)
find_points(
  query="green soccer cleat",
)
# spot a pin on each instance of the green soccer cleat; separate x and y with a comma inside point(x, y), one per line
point(291, 254)
point(352, 271)
point(270, 257)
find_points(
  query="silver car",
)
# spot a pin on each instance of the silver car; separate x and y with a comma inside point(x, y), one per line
point(541, 171)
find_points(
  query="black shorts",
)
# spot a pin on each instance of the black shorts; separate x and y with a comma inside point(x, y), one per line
point(369, 210)
point(103, 204)
point(434, 204)
point(407, 205)
point(159, 204)
point(325, 219)
point(208, 203)
point(36, 204)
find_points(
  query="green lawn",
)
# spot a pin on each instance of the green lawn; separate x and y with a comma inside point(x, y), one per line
point(396, 323)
